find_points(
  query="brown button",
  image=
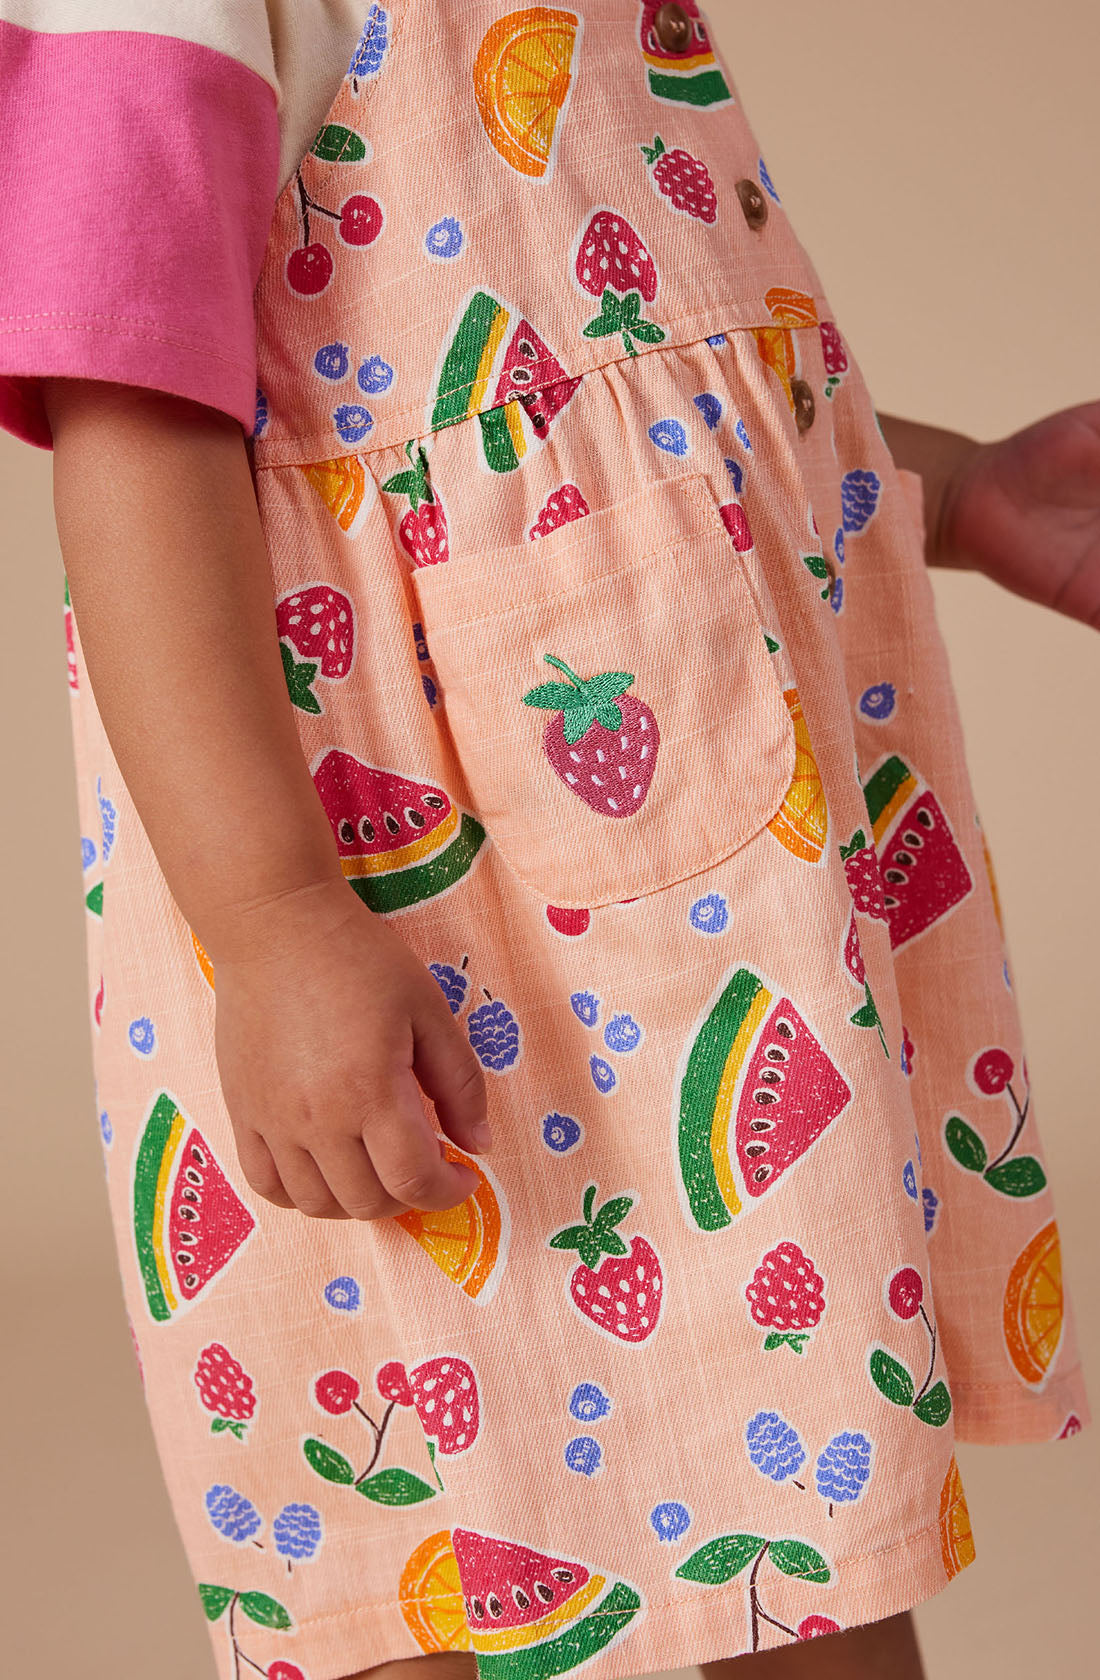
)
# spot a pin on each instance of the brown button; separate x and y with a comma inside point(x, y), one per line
point(673, 27)
point(803, 398)
point(753, 203)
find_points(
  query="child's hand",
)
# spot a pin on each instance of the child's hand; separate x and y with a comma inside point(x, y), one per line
point(325, 1023)
point(1025, 510)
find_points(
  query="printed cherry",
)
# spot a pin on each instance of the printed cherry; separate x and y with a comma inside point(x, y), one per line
point(309, 269)
point(906, 1292)
point(360, 220)
point(336, 1392)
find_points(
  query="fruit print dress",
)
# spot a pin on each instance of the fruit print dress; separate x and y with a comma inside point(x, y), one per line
point(604, 613)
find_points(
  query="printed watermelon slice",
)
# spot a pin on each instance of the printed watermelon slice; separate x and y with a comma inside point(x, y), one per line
point(400, 841)
point(755, 1091)
point(924, 872)
point(532, 375)
point(189, 1222)
point(532, 1615)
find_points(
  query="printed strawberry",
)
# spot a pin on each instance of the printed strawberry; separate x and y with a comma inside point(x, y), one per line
point(560, 507)
point(786, 1296)
point(864, 873)
point(867, 1014)
point(834, 354)
point(613, 265)
point(444, 1392)
point(70, 642)
point(683, 179)
point(621, 1294)
point(602, 742)
point(318, 623)
point(423, 529)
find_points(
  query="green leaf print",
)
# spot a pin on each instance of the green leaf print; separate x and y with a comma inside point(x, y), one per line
point(935, 1406)
point(891, 1378)
point(648, 331)
point(94, 900)
point(1021, 1177)
point(337, 143)
point(612, 1212)
point(266, 1611)
point(299, 675)
point(965, 1144)
point(794, 1557)
point(327, 1462)
point(395, 1487)
point(214, 1599)
point(722, 1559)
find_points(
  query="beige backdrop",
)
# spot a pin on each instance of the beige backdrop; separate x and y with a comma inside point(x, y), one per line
point(939, 162)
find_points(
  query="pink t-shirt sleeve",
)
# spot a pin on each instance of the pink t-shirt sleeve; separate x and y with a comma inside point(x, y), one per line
point(140, 176)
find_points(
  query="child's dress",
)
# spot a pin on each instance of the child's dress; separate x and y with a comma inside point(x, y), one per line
point(604, 612)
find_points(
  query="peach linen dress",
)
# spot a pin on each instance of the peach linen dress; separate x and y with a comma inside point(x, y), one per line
point(604, 612)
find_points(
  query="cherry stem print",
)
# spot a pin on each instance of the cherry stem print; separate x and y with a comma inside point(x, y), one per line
point(723, 1559)
point(259, 1607)
point(1021, 1176)
point(379, 1435)
point(931, 1328)
point(894, 1380)
point(337, 1392)
point(757, 1613)
point(1021, 1119)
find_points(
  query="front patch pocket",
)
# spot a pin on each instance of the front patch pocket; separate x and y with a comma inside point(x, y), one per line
point(610, 696)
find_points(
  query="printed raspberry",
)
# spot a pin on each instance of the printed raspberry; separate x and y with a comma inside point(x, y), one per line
point(864, 875)
point(560, 507)
point(774, 1447)
point(224, 1385)
point(683, 179)
point(832, 345)
point(493, 1032)
point(786, 1294)
point(843, 1467)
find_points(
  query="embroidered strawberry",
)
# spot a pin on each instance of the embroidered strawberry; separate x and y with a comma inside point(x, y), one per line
point(786, 1295)
point(560, 507)
point(423, 529)
point(683, 179)
point(864, 873)
point(622, 1293)
point(601, 741)
point(318, 623)
point(613, 265)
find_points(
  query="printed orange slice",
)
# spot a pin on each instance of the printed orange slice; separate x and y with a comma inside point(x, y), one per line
point(430, 1595)
point(203, 960)
point(522, 76)
point(341, 484)
point(464, 1241)
point(802, 821)
point(789, 308)
point(1034, 1308)
point(776, 348)
point(956, 1537)
point(991, 872)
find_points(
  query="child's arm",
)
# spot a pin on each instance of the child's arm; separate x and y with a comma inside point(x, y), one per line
point(325, 1019)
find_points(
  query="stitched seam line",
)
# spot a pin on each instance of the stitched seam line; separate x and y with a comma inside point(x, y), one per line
point(79, 323)
point(1014, 1388)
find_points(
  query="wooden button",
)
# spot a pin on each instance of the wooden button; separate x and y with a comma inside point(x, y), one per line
point(673, 28)
point(803, 398)
point(753, 203)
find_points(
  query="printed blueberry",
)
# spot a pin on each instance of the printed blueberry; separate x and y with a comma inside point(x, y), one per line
point(493, 1032)
point(374, 375)
point(332, 361)
point(877, 702)
point(586, 1007)
point(583, 1454)
point(588, 1403)
point(622, 1034)
point(670, 436)
point(1006, 976)
point(710, 914)
point(710, 407)
point(836, 594)
point(604, 1077)
point(370, 49)
point(859, 494)
point(931, 1208)
point(261, 413)
point(231, 1513)
point(909, 1180)
point(453, 983)
point(343, 1294)
point(108, 817)
point(737, 476)
point(297, 1531)
point(670, 1519)
point(444, 238)
point(715, 339)
point(143, 1036)
point(916, 1146)
point(107, 1131)
point(838, 544)
point(843, 1467)
point(560, 1132)
point(88, 853)
point(773, 1446)
point(418, 641)
point(352, 421)
point(430, 693)
point(766, 180)
point(743, 434)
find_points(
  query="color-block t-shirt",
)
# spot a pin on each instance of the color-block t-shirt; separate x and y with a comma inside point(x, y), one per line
point(143, 145)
